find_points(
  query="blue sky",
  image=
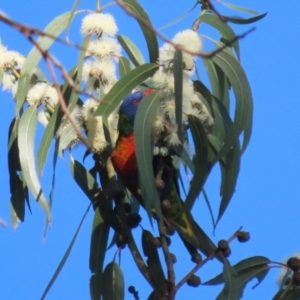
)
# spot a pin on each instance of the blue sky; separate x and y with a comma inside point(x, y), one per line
point(266, 202)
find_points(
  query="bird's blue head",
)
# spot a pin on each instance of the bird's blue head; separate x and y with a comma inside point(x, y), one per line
point(131, 102)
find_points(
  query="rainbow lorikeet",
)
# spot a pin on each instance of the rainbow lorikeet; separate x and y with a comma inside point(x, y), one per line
point(125, 164)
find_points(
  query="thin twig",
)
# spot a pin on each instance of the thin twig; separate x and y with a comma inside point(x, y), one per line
point(168, 258)
point(203, 262)
point(179, 47)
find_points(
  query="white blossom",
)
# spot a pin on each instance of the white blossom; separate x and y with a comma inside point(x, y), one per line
point(96, 137)
point(43, 117)
point(88, 108)
point(95, 72)
point(104, 47)
point(200, 111)
point(11, 59)
point(190, 41)
point(8, 82)
point(42, 92)
point(99, 23)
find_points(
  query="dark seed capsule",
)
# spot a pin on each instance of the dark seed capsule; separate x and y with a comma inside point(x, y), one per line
point(133, 220)
point(131, 290)
point(173, 257)
point(121, 240)
point(127, 207)
point(156, 242)
point(194, 281)
point(196, 258)
point(243, 236)
point(223, 245)
point(294, 263)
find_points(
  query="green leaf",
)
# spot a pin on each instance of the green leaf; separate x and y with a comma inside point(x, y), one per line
point(113, 283)
point(144, 150)
point(84, 179)
point(154, 265)
point(200, 161)
point(242, 268)
point(133, 52)
point(124, 66)
point(243, 21)
point(244, 103)
point(213, 77)
point(13, 217)
point(183, 154)
point(178, 83)
point(229, 177)
point(26, 134)
point(201, 88)
point(65, 257)
point(55, 122)
point(290, 295)
point(99, 241)
point(67, 136)
point(231, 290)
point(224, 88)
point(54, 28)
point(72, 13)
point(124, 87)
point(224, 29)
point(240, 8)
point(150, 36)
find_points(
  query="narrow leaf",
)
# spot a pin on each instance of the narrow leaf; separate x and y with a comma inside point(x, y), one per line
point(178, 83)
point(26, 134)
point(65, 257)
point(133, 52)
point(239, 8)
point(55, 122)
point(144, 150)
point(124, 66)
point(54, 28)
point(229, 178)
point(113, 283)
point(201, 161)
point(224, 29)
point(124, 87)
point(149, 34)
point(242, 21)
point(154, 265)
point(244, 103)
point(84, 179)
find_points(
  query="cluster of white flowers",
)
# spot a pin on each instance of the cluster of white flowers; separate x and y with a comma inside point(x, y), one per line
point(165, 126)
point(102, 53)
point(286, 274)
point(11, 62)
point(94, 125)
point(42, 93)
point(99, 70)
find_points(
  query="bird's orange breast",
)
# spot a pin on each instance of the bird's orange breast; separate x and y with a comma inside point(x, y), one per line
point(123, 157)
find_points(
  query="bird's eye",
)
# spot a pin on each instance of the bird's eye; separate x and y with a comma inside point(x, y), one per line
point(135, 102)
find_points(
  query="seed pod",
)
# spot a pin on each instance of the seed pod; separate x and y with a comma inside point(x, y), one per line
point(196, 258)
point(194, 281)
point(170, 230)
point(131, 290)
point(165, 204)
point(173, 257)
point(121, 240)
point(116, 190)
point(133, 220)
point(294, 263)
point(156, 242)
point(223, 245)
point(243, 236)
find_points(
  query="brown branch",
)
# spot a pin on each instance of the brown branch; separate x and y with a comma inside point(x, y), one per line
point(176, 46)
point(203, 262)
point(169, 262)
